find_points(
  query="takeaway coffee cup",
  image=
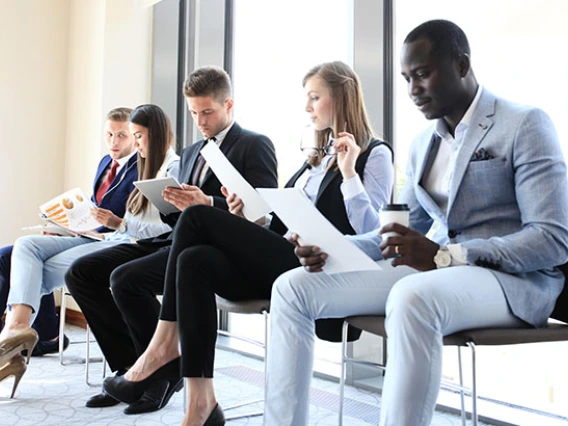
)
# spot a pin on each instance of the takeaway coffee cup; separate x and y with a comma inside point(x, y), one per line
point(390, 213)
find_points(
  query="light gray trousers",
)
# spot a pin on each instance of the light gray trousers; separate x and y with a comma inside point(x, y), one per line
point(421, 308)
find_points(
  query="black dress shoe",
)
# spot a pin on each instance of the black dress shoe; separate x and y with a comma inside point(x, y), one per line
point(130, 392)
point(100, 400)
point(44, 347)
point(156, 397)
point(216, 418)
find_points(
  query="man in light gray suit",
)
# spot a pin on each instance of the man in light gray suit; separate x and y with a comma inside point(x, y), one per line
point(491, 175)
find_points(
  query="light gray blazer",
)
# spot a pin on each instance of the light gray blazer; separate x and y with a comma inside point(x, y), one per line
point(510, 211)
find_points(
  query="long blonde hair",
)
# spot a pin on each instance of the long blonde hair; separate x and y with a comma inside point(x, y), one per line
point(349, 113)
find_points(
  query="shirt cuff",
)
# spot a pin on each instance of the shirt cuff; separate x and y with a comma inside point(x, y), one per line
point(458, 253)
point(352, 187)
point(212, 201)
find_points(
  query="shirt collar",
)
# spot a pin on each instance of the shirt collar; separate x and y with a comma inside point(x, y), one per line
point(122, 161)
point(221, 135)
point(442, 127)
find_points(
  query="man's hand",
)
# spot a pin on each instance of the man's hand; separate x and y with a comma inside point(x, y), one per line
point(311, 258)
point(189, 195)
point(106, 217)
point(411, 248)
point(235, 203)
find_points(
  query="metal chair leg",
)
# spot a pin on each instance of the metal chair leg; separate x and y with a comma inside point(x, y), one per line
point(462, 397)
point(342, 374)
point(62, 312)
point(474, 416)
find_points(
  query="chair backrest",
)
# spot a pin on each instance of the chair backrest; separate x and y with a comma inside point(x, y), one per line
point(561, 309)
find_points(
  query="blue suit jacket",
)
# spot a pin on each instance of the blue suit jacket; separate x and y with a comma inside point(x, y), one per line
point(509, 211)
point(121, 187)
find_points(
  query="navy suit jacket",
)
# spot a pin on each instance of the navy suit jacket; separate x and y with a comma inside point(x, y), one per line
point(252, 154)
point(121, 187)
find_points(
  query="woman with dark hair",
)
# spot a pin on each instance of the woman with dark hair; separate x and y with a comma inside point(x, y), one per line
point(39, 263)
point(347, 176)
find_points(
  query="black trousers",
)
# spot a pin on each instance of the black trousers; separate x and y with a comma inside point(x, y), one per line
point(116, 289)
point(215, 252)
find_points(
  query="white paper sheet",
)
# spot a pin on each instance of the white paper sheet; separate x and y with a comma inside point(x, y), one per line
point(254, 205)
point(301, 217)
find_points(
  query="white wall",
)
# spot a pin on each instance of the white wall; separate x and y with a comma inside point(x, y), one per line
point(33, 44)
point(64, 64)
point(109, 65)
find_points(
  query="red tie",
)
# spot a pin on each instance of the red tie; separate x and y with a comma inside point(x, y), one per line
point(105, 185)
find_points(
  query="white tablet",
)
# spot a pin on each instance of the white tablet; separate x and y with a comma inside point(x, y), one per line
point(152, 190)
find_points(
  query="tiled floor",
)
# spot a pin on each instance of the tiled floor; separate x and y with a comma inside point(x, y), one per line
point(52, 394)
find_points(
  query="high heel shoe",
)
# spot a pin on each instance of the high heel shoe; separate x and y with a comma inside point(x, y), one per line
point(216, 418)
point(24, 339)
point(126, 391)
point(14, 367)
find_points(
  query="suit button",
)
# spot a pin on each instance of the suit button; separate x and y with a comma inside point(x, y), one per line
point(452, 233)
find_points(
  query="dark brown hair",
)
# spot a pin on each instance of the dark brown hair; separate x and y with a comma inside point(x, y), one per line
point(160, 139)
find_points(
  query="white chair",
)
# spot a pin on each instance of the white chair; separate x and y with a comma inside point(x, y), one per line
point(87, 360)
point(247, 307)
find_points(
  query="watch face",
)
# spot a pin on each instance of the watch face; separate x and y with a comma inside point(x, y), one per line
point(443, 258)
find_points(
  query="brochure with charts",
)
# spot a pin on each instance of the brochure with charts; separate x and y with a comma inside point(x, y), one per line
point(70, 210)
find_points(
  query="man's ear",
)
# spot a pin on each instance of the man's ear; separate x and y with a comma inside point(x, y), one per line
point(463, 64)
point(229, 103)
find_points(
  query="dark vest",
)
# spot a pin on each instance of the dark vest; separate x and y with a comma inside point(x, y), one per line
point(330, 203)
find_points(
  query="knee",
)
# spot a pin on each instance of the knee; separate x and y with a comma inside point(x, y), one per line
point(192, 214)
point(123, 278)
point(412, 302)
point(288, 292)
point(28, 244)
point(73, 274)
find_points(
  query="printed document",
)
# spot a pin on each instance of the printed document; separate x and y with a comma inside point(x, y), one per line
point(302, 218)
point(254, 206)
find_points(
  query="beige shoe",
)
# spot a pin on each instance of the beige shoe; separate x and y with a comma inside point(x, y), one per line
point(16, 367)
point(13, 345)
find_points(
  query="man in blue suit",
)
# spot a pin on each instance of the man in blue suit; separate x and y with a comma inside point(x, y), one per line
point(109, 194)
point(490, 174)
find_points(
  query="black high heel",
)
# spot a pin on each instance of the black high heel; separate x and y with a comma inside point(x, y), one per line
point(216, 418)
point(123, 390)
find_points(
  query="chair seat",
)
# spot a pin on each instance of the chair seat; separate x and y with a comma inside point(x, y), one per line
point(552, 332)
point(255, 306)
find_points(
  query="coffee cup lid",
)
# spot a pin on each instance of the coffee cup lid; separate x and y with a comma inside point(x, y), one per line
point(395, 207)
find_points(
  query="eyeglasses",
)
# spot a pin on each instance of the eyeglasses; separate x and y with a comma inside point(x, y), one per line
point(316, 152)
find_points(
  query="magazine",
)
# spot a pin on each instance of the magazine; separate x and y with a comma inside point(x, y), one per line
point(71, 211)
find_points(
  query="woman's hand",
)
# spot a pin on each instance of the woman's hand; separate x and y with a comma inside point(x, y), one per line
point(235, 203)
point(347, 153)
point(106, 218)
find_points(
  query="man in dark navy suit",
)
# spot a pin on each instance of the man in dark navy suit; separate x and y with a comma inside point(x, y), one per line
point(112, 195)
point(116, 288)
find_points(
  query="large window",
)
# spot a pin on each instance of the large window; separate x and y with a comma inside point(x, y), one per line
point(275, 44)
point(516, 51)
point(271, 55)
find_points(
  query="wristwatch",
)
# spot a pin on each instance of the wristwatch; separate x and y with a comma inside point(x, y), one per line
point(443, 258)
point(122, 227)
